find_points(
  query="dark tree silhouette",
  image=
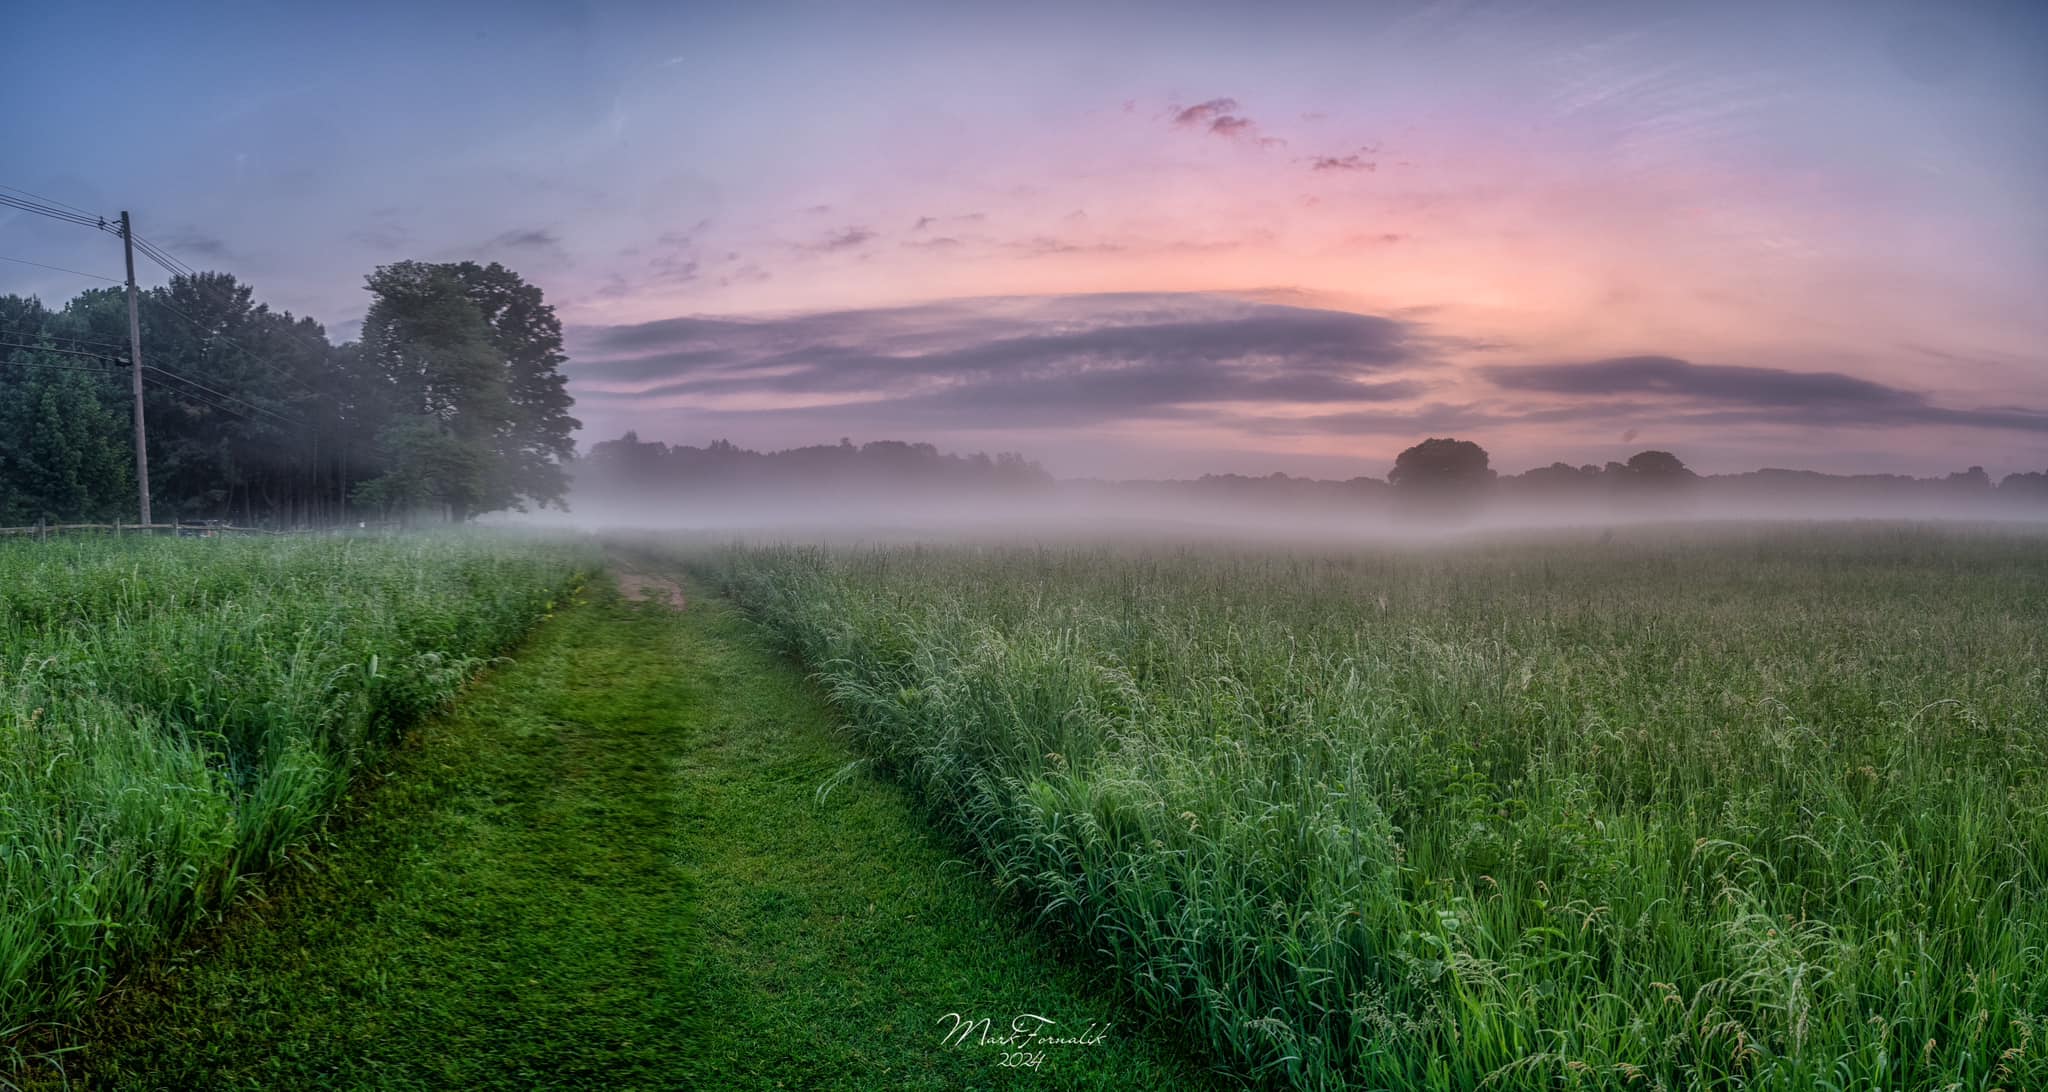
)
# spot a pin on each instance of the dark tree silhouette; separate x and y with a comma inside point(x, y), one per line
point(1973, 480)
point(1559, 477)
point(1440, 463)
point(2032, 485)
point(1656, 481)
point(631, 467)
point(1661, 467)
point(1441, 475)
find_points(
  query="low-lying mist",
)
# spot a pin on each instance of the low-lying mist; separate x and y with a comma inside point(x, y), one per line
point(1197, 510)
point(890, 490)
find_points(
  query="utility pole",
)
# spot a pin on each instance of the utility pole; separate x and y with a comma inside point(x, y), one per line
point(135, 372)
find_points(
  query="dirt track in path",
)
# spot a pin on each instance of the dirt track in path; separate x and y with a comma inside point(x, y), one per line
point(641, 588)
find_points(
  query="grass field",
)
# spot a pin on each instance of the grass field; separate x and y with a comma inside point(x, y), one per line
point(1724, 808)
point(609, 866)
point(177, 716)
point(1755, 808)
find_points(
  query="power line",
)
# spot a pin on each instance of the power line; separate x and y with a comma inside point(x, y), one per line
point(164, 372)
point(160, 260)
point(63, 352)
point(40, 209)
point(177, 268)
point(195, 324)
point(214, 402)
point(43, 343)
point(196, 398)
point(199, 283)
point(46, 200)
point(57, 367)
point(167, 373)
point(61, 269)
point(168, 259)
point(320, 346)
point(170, 264)
point(9, 330)
point(165, 257)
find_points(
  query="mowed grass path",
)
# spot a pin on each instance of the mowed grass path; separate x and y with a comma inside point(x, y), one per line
point(610, 867)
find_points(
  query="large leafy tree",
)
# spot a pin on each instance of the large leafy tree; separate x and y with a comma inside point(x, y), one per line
point(475, 406)
point(528, 336)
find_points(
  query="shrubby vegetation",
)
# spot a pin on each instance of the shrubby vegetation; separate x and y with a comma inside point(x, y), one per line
point(1760, 809)
point(176, 716)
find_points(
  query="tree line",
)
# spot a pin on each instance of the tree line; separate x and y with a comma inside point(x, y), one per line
point(1449, 465)
point(1439, 476)
point(648, 469)
point(450, 403)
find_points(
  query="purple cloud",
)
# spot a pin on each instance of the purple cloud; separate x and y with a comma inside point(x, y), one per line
point(845, 240)
point(1204, 113)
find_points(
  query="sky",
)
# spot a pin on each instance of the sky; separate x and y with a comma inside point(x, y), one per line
point(1127, 239)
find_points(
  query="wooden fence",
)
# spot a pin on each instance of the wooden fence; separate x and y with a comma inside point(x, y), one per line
point(198, 529)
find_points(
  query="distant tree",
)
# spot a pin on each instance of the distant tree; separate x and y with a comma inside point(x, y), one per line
point(1654, 479)
point(1440, 463)
point(1441, 474)
point(628, 466)
point(1660, 467)
point(626, 461)
point(1558, 478)
point(2030, 486)
point(1973, 480)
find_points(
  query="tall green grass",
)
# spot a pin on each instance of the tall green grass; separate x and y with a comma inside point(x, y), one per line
point(176, 716)
point(1756, 809)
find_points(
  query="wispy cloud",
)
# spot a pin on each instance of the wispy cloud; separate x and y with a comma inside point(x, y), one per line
point(1204, 113)
point(1048, 244)
point(1713, 382)
point(200, 243)
point(849, 239)
point(1709, 394)
point(1014, 362)
point(527, 238)
point(1220, 117)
